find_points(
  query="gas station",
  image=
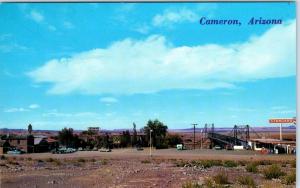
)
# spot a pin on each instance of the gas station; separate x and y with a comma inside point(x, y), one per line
point(280, 145)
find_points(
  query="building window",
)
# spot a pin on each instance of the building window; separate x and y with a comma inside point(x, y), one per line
point(18, 141)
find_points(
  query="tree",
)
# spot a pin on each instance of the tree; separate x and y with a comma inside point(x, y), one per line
point(173, 140)
point(125, 139)
point(29, 128)
point(106, 142)
point(158, 134)
point(66, 137)
point(134, 137)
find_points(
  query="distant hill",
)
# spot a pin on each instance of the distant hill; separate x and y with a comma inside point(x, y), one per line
point(217, 129)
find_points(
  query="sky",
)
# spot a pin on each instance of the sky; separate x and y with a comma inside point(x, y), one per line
point(111, 64)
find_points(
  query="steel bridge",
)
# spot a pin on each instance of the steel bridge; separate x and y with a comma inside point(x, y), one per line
point(239, 136)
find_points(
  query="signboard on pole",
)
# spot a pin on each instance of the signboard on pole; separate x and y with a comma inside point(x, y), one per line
point(282, 120)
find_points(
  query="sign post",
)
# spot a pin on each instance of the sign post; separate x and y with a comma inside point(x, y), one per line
point(281, 121)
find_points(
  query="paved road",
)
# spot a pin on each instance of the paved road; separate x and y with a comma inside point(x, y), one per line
point(166, 154)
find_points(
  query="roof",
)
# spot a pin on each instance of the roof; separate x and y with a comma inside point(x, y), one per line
point(38, 140)
point(272, 141)
point(17, 137)
point(51, 140)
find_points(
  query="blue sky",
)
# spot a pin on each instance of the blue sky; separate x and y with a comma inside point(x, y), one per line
point(112, 64)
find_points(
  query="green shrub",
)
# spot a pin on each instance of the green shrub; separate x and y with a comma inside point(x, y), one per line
point(252, 167)
point(230, 164)
point(290, 178)
point(29, 159)
point(93, 160)
point(246, 180)
point(221, 178)
point(191, 184)
point(40, 161)
point(273, 171)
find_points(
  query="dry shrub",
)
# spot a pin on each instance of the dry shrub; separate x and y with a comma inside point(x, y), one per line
point(191, 184)
point(290, 178)
point(81, 160)
point(293, 164)
point(221, 178)
point(230, 164)
point(252, 167)
point(273, 172)
point(247, 180)
point(145, 161)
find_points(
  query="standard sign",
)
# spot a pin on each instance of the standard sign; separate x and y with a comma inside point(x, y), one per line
point(282, 120)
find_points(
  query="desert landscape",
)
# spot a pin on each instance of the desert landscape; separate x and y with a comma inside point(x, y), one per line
point(132, 168)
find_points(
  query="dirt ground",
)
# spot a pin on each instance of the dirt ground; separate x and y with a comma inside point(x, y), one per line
point(132, 168)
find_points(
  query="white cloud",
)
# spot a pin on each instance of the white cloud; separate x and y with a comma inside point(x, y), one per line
point(239, 109)
point(154, 64)
point(34, 106)
point(68, 25)
point(109, 100)
point(39, 18)
point(279, 107)
point(285, 112)
point(51, 27)
point(16, 110)
point(282, 110)
point(142, 28)
point(6, 48)
point(174, 16)
point(73, 115)
point(36, 16)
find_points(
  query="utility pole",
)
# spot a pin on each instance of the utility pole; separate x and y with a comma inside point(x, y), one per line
point(150, 143)
point(194, 124)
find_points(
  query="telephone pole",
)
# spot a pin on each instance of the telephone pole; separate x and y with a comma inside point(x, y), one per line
point(194, 124)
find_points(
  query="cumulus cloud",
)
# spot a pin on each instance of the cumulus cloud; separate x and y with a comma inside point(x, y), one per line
point(36, 16)
point(34, 106)
point(154, 64)
point(10, 110)
point(39, 18)
point(68, 25)
point(108, 100)
point(174, 16)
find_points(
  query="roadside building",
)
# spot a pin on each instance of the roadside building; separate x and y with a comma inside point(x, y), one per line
point(21, 142)
point(95, 130)
point(276, 146)
point(4, 146)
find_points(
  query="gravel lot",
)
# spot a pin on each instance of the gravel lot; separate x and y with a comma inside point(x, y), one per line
point(129, 168)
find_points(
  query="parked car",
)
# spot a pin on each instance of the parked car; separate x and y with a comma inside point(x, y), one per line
point(180, 147)
point(14, 152)
point(217, 147)
point(105, 150)
point(63, 150)
point(139, 148)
